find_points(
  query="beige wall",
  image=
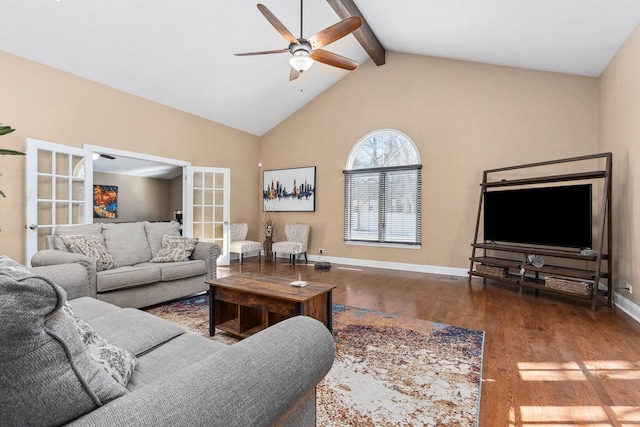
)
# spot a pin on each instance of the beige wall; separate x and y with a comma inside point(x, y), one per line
point(44, 103)
point(464, 117)
point(139, 199)
point(619, 132)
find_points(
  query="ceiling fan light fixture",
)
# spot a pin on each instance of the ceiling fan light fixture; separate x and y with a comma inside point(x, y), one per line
point(301, 61)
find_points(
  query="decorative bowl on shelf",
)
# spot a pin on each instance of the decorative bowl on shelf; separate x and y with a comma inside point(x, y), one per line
point(536, 260)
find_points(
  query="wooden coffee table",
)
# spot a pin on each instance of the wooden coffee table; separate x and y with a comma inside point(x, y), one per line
point(247, 303)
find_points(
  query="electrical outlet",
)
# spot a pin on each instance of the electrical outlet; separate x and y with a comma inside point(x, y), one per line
point(321, 251)
point(629, 288)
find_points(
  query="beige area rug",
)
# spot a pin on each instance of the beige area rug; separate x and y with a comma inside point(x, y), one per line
point(389, 370)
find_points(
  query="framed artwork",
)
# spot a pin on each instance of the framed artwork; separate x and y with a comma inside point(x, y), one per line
point(290, 190)
point(105, 201)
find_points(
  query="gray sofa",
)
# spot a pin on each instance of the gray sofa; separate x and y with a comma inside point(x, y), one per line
point(179, 379)
point(135, 281)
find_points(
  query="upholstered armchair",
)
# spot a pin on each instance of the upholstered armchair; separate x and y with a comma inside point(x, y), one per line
point(296, 243)
point(239, 244)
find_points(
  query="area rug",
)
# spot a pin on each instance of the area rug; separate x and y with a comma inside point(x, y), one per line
point(389, 370)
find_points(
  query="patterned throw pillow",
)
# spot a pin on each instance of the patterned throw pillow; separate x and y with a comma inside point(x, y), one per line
point(175, 249)
point(118, 362)
point(91, 246)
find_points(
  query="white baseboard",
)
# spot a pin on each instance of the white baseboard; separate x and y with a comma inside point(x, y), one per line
point(419, 268)
point(628, 306)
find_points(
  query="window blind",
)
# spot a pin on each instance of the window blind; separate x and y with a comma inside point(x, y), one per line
point(383, 205)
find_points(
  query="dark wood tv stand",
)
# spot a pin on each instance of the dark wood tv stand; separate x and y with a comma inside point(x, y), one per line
point(565, 271)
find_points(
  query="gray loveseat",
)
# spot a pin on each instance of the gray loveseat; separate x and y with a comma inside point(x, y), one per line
point(119, 256)
point(179, 378)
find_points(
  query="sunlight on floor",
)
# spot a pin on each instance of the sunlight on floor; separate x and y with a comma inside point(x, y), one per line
point(614, 369)
point(349, 268)
point(551, 371)
point(529, 416)
point(575, 371)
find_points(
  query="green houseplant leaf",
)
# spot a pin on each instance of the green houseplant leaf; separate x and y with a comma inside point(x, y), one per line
point(4, 129)
point(4, 152)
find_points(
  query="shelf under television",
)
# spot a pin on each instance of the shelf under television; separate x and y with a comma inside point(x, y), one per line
point(536, 250)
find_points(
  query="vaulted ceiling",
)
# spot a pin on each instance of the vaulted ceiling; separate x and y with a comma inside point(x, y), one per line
point(180, 53)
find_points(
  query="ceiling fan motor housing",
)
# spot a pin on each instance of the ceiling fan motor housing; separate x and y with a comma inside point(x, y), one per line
point(301, 45)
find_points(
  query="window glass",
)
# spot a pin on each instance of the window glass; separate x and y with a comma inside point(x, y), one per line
point(383, 190)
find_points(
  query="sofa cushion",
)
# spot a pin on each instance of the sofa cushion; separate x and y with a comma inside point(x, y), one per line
point(64, 230)
point(175, 249)
point(88, 308)
point(127, 242)
point(157, 230)
point(172, 357)
point(119, 363)
point(91, 246)
point(45, 374)
point(128, 277)
point(180, 270)
point(134, 330)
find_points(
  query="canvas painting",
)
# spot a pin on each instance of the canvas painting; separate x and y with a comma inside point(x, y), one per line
point(290, 190)
point(105, 201)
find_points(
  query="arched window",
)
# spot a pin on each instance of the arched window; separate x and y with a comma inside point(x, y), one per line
point(383, 190)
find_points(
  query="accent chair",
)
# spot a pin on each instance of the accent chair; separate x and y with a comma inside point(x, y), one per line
point(296, 243)
point(239, 244)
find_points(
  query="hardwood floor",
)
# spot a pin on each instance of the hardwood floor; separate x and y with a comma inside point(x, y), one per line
point(548, 360)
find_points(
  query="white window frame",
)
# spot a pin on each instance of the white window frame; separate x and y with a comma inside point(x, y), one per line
point(380, 169)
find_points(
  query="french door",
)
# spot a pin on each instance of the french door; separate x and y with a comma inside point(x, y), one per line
point(208, 200)
point(59, 190)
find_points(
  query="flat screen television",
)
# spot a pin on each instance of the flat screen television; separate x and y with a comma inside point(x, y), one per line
point(548, 216)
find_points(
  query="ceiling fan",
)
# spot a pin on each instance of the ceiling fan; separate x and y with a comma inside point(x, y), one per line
point(305, 51)
point(96, 156)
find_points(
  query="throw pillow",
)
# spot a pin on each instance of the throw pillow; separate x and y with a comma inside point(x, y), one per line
point(45, 374)
point(175, 249)
point(65, 230)
point(93, 247)
point(118, 362)
point(156, 231)
point(13, 268)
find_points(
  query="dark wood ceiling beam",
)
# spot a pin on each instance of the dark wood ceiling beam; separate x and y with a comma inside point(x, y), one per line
point(365, 35)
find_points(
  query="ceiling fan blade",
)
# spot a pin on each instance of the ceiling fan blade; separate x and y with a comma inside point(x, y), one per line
point(264, 52)
point(334, 32)
point(293, 74)
point(277, 24)
point(334, 59)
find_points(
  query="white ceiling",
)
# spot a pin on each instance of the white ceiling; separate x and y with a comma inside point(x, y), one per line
point(180, 53)
point(122, 165)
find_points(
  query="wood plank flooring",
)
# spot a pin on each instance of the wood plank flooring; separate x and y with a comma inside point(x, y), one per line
point(548, 359)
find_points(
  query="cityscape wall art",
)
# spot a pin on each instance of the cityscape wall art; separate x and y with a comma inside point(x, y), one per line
point(290, 190)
